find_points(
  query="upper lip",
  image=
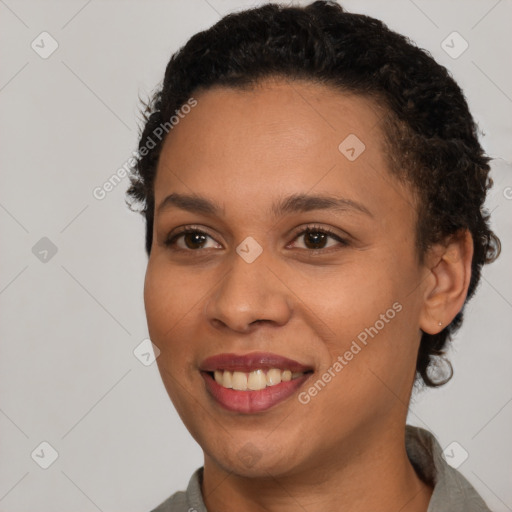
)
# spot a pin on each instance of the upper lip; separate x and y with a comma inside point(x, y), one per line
point(250, 362)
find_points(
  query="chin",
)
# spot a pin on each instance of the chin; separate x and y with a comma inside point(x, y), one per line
point(252, 458)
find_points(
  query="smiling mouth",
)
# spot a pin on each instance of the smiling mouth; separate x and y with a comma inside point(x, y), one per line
point(254, 380)
point(240, 398)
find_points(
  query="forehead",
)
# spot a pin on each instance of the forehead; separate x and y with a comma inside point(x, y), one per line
point(298, 115)
point(277, 138)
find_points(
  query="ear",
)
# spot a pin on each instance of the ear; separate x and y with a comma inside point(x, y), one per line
point(448, 268)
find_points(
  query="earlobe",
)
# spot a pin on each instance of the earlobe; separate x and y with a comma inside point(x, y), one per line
point(449, 269)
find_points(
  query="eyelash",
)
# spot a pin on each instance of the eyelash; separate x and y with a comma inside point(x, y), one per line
point(171, 241)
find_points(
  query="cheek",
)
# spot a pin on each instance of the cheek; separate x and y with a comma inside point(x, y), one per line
point(168, 296)
point(171, 298)
point(351, 296)
point(370, 314)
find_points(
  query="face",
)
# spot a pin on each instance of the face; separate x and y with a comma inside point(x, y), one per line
point(298, 257)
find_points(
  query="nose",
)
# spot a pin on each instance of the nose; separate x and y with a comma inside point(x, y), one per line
point(249, 294)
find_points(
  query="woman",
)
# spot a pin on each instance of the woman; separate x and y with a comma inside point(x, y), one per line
point(312, 185)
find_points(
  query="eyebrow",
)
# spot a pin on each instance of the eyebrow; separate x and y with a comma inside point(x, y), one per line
point(295, 203)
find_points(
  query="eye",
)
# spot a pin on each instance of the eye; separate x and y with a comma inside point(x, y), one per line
point(317, 238)
point(314, 238)
point(190, 238)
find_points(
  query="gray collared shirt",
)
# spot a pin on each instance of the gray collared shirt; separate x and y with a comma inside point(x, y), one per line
point(452, 492)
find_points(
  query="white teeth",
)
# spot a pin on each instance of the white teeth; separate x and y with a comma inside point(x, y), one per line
point(239, 381)
point(273, 377)
point(218, 377)
point(255, 380)
point(227, 380)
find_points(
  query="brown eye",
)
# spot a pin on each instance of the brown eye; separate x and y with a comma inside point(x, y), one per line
point(315, 239)
point(194, 240)
point(190, 240)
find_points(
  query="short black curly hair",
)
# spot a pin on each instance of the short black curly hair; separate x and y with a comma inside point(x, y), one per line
point(430, 134)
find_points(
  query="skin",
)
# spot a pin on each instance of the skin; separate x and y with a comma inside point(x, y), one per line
point(246, 149)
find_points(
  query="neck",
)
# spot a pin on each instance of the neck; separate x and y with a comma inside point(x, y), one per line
point(372, 473)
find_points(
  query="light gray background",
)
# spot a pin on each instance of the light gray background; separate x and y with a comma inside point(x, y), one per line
point(69, 325)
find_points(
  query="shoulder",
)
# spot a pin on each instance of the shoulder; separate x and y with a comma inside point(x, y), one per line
point(190, 500)
point(175, 503)
point(451, 488)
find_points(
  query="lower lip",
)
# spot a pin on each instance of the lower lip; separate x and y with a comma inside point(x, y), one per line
point(249, 402)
